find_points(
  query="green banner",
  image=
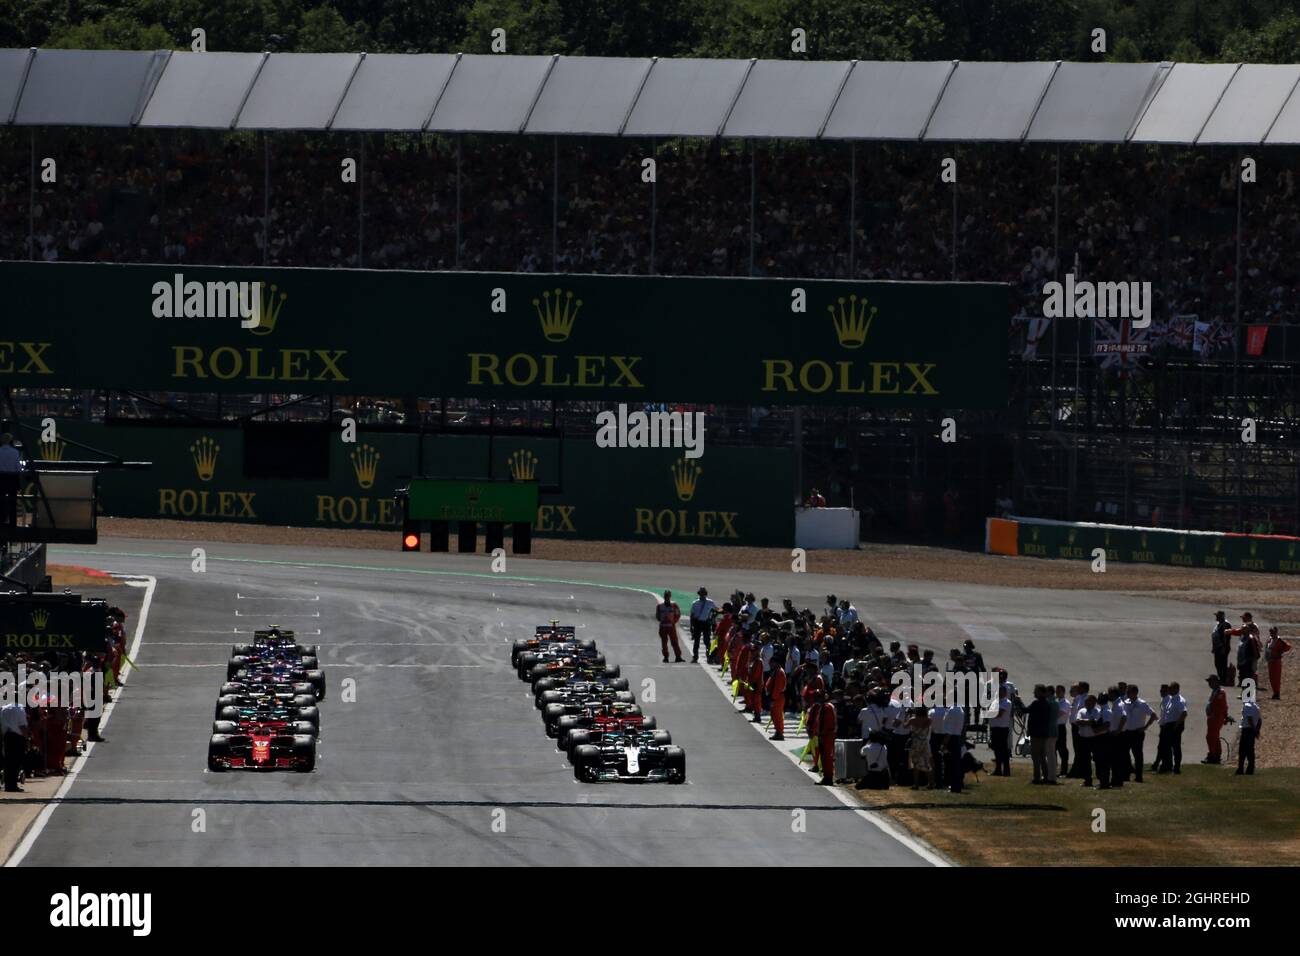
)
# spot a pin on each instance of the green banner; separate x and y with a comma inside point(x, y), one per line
point(625, 338)
point(1229, 552)
point(437, 499)
point(732, 495)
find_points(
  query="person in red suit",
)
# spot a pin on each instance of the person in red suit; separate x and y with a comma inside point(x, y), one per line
point(734, 648)
point(1273, 651)
point(1216, 715)
point(755, 692)
point(822, 721)
point(668, 614)
point(775, 688)
point(740, 667)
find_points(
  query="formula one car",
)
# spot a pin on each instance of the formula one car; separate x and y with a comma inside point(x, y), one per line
point(266, 705)
point(620, 756)
point(262, 746)
point(629, 719)
point(560, 718)
point(554, 634)
point(275, 637)
point(282, 670)
point(527, 660)
point(601, 727)
point(566, 667)
point(577, 682)
point(581, 690)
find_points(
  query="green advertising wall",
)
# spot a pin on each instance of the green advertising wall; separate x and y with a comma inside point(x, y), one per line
point(623, 338)
point(1160, 546)
point(732, 495)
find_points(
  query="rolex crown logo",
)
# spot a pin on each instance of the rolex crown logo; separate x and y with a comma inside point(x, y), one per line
point(1182, 544)
point(52, 450)
point(1143, 539)
point(1254, 546)
point(557, 317)
point(523, 466)
point(40, 617)
point(852, 323)
point(272, 301)
point(204, 452)
point(1072, 535)
point(685, 476)
point(365, 463)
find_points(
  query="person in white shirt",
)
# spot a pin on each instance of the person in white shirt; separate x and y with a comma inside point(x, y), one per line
point(1117, 723)
point(847, 615)
point(938, 746)
point(13, 726)
point(954, 726)
point(1251, 723)
point(1087, 719)
point(701, 623)
point(1173, 718)
point(1138, 717)
point(873, 720)
point(1000, 734)
point(1063, 729)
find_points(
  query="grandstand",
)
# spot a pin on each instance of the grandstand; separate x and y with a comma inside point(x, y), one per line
point(764, 168)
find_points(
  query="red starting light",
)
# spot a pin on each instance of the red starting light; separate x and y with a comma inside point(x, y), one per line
point(410, 541)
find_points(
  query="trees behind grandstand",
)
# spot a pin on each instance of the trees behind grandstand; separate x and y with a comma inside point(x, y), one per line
point(1261, 31)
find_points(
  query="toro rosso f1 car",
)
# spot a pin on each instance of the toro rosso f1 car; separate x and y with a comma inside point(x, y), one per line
point(628, 756)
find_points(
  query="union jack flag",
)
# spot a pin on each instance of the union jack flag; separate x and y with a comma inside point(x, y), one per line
point(1119, 345)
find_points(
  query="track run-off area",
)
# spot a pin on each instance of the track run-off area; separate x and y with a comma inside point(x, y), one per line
point(441, 758)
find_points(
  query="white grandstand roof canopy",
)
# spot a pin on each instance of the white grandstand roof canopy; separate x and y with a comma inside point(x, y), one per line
point(1040, 102)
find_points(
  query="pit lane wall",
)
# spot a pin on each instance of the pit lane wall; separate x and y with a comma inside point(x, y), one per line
point(1127, 544)
point(731, 495)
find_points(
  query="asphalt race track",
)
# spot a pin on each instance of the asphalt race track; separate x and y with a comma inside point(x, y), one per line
point(442, 736)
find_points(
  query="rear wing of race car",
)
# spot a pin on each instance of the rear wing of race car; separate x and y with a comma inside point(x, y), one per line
point(266, 632)
point(568, 630)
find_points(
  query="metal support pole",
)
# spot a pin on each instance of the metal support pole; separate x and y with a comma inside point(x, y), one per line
point(954, 224)
point(1056, 274)
point(853, 206)
point(266, 198)
point(753, 202)
point(361, 206)
point(458, 138)
point(555, 204)
point(164, 139)
point(654, 201)
point(798, 453)
point(1236, 354)
point(31, 203)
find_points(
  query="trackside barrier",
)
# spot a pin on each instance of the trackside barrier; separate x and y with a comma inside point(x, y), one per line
point(1129, 544)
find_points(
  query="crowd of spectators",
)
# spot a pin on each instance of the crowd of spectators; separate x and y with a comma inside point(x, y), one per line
point(1165, 215)
point(41, 728)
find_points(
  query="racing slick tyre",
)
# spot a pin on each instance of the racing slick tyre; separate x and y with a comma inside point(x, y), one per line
point(304, 700)
point(585, 759)
point(305, 728)
point(230, 687)
point(309, 661)
point(562, 728)
point(542, 686)
point(218, 747)
point(241, 650)
point(625, 697)
point(234, 665)
point(662, 738)
point(613, 672)
point(587, 645)
point(577, 738)
point(302, 687)
point(304, 752)
point(311, 715)
point(619, 683)
point(226, 727)
point(649, 723)
point(227, 712)
point(675, 761)
point(517, 648)
point(547, 697)
point(552, 714)
point(317, 680)
point(527, 661)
